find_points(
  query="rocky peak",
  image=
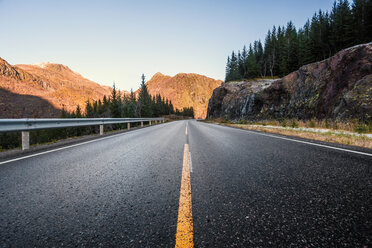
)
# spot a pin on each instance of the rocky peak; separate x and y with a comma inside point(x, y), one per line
point(14, 72)
point(6, 69)
point(56, 67)
point(158, 74)
point(55, 83)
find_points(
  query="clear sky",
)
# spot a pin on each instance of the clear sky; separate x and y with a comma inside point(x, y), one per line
point(110, 40)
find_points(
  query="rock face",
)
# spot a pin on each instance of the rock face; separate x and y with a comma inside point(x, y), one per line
point(54, 84)
point(184, 90)
point(336, 88)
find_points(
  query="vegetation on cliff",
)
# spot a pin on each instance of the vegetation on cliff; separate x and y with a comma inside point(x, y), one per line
point(286, 49)
point(338, 88)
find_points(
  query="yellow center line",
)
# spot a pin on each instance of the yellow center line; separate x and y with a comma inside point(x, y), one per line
point(185, 232)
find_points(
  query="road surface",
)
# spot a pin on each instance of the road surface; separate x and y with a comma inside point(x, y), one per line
point(239, 189)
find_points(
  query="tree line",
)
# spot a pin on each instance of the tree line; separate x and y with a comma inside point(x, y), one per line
point(286, 49)
point(128, 106)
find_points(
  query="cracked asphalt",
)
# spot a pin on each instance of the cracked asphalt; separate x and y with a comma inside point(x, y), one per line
point(248, 190)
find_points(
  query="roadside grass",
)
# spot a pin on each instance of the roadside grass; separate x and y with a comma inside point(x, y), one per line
point(333, 136)
point(255, 79)
point(351, 126)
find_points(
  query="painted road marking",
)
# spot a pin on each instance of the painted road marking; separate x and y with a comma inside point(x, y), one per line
point(185, 231)
point(79, 144)
point(186, 130)
point(301, 141)
point(190, 162)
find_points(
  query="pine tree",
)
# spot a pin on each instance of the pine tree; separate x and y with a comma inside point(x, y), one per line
point(243, 63)
point(304, 52)
point(252, 67)
point(280, 51)
point(341, 25)
point(89, 110)
point(234, 68)
point(78, 112)
point(228, 70)
point(260, 60)
point(133, 105)
point(115, 103)
point(361, 21)
point(100, 107)
point(64, 113)
point(95, 108)
point(171, 108)
point(270, 51)
point(289, 61)
point(144, 100)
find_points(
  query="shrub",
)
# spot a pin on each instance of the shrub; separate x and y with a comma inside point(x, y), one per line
point(283, 123)
point(335, 125)
point(294, 123)
point(312, 123)
point(327, 124)
point(242, 122)
point(361, 128)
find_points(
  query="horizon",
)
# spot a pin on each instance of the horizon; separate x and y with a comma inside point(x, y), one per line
point(118, 41)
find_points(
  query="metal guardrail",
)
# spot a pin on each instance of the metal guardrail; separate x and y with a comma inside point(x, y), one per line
point(10, 125)
point(27, 125)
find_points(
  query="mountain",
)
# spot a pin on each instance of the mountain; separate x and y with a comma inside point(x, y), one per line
point(184, 90)
point(55, 85)
point(336, 88)
point(42, 90)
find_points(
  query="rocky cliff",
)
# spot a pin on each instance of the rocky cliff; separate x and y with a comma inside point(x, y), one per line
point(336, 88)
point(185, 90)
point(53, 84)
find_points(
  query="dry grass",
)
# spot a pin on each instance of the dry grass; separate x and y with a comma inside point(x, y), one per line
point(350, 126)
point(345, 139)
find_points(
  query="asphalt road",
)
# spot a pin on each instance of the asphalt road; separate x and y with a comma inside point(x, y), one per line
point(247, 190)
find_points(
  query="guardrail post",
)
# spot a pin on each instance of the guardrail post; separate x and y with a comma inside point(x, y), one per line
point(25, 140)
point(100, 129)
point(150, 123)
point(141, 123)
point(128, 125)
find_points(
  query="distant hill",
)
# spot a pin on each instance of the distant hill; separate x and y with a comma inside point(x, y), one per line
point(185, 90)
point(54, 84)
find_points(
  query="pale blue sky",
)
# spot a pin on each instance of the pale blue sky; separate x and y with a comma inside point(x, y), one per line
point(109, 40)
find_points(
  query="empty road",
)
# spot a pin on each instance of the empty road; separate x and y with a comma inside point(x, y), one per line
point(188, 182)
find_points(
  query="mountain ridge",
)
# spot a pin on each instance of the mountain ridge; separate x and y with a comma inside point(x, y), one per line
point(62, 87)
point(184, 90)
point(54, 83)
